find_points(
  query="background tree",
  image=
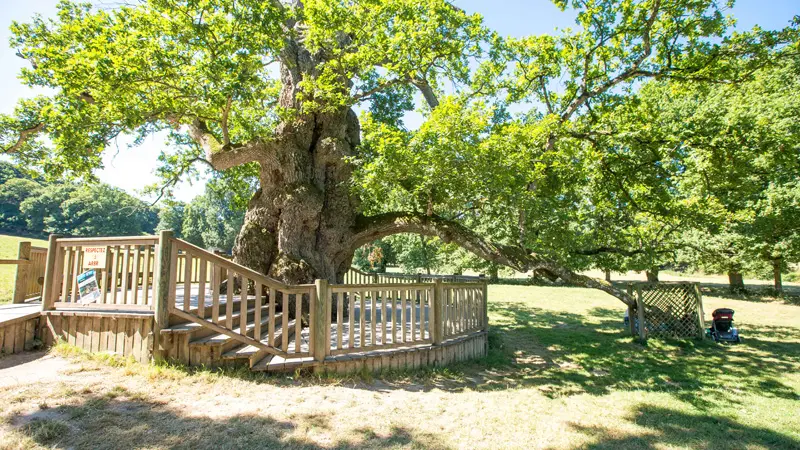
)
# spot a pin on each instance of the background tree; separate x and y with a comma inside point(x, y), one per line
point(275, 84)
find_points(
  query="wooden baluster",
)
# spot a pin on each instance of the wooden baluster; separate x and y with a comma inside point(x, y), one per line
point(403, 314)
point(103, 281)
point(229, 296)
point(362, 313)
point(351, 313)
point(216, 279)
point(114, 274)
point(173, 276)
point(201, 288)
point(373, 316)
point(135, 283)
point(244, 300)
point(339, 322)
point(257, 312)
point(383, 319)
point(65, 282)
point(391, 317)
point(285, 324)
point(76, 267)
point(271, 325)
point(298, 322)
point(146, 276)
point(187, 281)
point(125, 258)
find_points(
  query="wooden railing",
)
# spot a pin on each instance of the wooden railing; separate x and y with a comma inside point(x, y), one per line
point(183, 283)
point(463, 309)
point(29, 278)
point(372, 317)
point(125, 276)
point(355, 276)
point(252, 308)
point(368, 317)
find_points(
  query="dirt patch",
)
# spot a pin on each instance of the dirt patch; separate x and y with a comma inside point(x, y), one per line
point(32, 367)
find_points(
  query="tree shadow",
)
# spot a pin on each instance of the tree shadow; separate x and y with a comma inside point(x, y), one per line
point(565, 354)
point(101, 423)
point(669, 427)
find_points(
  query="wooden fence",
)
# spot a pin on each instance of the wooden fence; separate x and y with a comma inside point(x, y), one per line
point(359, 318)
point(234, 300)
point(29, 278)
point(125, 276)
point(355, 276)
point(671, 310)
point(177, 284)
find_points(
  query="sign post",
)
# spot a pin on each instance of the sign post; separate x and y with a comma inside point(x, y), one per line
point(95, 257)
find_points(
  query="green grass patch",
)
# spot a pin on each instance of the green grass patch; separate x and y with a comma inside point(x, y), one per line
point(9, 249)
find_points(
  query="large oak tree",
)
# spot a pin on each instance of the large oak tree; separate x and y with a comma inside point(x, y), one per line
point(271, 88)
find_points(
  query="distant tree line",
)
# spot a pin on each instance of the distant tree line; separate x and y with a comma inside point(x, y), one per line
point(33, 206)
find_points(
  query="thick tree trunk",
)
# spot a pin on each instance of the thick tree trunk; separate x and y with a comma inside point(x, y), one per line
point(777, 274)
point(494, 273)
point(608, 275)
point(300, 221)
point(735, 282)
point(652, 275)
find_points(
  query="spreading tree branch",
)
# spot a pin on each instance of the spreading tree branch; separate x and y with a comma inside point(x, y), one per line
point(371, 228)
point(222, 157)
point(24, 136)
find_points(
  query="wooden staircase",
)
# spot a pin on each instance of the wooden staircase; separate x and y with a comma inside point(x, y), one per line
point(193, 344)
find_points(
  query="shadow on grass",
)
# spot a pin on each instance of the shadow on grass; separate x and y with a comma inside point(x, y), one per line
point(565, 354)
point(668, 427)
point(100, 422)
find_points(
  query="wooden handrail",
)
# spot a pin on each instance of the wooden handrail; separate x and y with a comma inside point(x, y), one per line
point(249, 273)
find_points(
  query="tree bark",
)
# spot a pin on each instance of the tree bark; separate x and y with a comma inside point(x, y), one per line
point(652, 275)
point(777, 274)
point(735, 282)
point(494, 273)
point(301, 219)
point(608, 275)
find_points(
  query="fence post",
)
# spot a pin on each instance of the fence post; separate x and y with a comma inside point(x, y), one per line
point(161, 297)
point(23, 272)
point(631, 312)
point(319, 326)
point(640, 312)
point(48, 290)
point(700, 312)
point(485, 306)
point(438, 299)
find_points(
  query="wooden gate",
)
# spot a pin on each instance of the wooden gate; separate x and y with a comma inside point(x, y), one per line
point(666, 310)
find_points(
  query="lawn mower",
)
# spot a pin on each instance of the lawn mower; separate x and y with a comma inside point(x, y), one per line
point(722, 329)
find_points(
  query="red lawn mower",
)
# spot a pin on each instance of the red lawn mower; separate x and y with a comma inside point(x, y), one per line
point(722, 329)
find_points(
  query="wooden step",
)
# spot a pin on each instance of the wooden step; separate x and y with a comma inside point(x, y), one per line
point(275, 363)
point(254, 354)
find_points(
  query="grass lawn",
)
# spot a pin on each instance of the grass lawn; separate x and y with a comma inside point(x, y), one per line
point(9, 249)
point(561, 374)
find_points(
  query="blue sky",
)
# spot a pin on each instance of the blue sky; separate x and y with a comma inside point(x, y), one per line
point(131, 169)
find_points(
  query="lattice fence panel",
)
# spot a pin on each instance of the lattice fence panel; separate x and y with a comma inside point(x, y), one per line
point(671, 310)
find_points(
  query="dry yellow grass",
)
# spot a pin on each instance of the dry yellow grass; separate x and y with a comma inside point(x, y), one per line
point(561, 374)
